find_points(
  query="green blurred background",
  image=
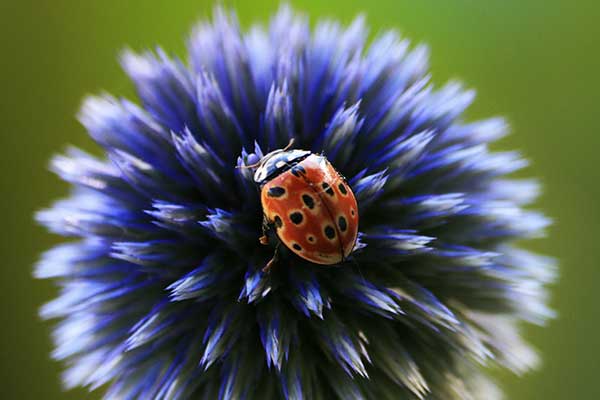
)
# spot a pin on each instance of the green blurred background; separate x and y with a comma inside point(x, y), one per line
point(537, 62)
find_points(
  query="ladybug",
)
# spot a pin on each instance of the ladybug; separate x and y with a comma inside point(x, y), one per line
point(308, 205)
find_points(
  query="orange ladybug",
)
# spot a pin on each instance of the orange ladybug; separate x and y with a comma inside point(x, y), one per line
point(308, 204)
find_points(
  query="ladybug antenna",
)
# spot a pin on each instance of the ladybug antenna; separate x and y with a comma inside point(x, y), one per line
point(289, 144)
point(256, 164)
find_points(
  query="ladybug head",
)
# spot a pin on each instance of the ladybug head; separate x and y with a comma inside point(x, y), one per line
point(276, 162)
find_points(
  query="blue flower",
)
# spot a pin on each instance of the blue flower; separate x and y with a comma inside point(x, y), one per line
point(162, 293)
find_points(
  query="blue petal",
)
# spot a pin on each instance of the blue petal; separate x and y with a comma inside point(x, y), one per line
point(165, 87)
point(204, 282)
point(368, 188)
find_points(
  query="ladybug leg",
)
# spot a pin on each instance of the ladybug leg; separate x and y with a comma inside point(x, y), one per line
point(268, 229)
point(267, 268)
point(264, 239)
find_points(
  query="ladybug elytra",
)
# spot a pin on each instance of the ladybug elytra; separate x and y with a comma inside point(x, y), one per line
point(308, 205)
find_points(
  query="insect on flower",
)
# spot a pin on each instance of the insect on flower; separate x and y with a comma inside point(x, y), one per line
point(308, 205)
point(162, 290)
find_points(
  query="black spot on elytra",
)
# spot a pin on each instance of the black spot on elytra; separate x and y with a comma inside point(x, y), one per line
point(296, 246)
point(328, 189)
point(311, 238)
point(296, 217)
point(342, 189)
point(278, 221)
point(329, 232)
point(308, 200)
point(352, 212)
point(298, 170)
point(276, 191)
point(342, 224)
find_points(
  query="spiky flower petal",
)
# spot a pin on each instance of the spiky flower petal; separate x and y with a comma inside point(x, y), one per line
point(162, 293)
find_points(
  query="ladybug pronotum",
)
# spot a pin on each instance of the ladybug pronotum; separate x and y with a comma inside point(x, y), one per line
point(308, 205)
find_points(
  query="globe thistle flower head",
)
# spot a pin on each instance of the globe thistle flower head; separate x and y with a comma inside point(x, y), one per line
point(162, 291)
